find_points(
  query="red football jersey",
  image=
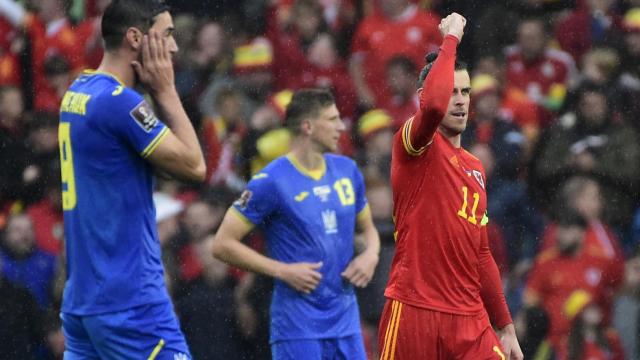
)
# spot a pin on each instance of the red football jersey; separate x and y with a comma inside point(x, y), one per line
point(555, 277)
point(379, 39)
point(439, 207)
point(442, 260)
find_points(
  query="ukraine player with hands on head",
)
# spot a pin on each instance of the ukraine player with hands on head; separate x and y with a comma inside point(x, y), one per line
point(115, 303)
point(444, 291)
point(308, 204)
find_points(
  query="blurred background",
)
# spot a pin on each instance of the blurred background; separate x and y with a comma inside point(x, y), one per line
point(555, 120)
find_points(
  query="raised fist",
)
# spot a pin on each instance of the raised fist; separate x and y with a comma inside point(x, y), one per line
point(453, 25)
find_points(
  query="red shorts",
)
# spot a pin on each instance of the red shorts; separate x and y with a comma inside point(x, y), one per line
point(407, 333)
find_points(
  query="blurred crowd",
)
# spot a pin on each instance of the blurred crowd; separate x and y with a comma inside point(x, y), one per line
point(555, 119)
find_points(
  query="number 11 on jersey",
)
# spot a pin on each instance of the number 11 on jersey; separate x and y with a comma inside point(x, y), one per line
point(463, 211)
point(66, 167)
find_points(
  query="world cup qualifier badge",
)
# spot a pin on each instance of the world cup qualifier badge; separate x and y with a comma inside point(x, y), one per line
point(144, 116)
point(243, 200)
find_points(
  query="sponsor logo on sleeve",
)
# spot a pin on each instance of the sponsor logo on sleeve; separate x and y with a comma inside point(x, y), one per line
point(144, 116)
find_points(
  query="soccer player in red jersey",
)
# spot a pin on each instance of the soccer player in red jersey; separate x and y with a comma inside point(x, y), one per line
point(444, 287)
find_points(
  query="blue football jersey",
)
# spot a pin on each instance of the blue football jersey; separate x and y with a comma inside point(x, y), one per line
point(309, 218)
point(113, 254)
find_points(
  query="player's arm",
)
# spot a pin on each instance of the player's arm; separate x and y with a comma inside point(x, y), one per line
point(494, 300)
point(360, 270)
point(228, 247)
point(437, 88)
point(179, 152)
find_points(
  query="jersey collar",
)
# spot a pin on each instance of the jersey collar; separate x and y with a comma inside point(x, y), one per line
point(96, 72)
point(316, 174)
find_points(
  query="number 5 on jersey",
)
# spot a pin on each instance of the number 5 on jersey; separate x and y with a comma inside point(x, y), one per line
point(66, 166)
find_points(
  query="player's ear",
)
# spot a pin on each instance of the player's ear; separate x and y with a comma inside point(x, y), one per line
point(306, 127)
point(133, 37)
point(419, 91)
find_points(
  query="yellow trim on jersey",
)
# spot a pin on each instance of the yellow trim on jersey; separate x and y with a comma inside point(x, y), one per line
point(406, 140)
point(97, 72)
point(154, 143)
point(241, 216)
point(156, 350)
point(315, 174)
point(391, 334)
point(364, 212)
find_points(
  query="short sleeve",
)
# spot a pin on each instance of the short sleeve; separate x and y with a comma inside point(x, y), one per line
point(134, 121)
point(258, 201)
point(359, 188)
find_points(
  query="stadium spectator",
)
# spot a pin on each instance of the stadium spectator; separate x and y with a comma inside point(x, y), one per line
point(21, 329)
point(23, 263)
point(591, 141)
point(375, 131)
point(630, 77)
point(402, 102)
point(584, 28)
point(399, 28)
point(589, 337)
point(626, 310)
point(207, 310)
point(566, 268)
point(532, 325)
point(583, 195)
point(541, 72)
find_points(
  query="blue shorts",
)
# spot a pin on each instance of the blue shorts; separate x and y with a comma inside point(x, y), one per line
point(144, 332)
point(347, 348)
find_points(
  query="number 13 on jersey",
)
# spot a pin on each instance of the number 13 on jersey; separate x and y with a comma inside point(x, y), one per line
point(66, 166)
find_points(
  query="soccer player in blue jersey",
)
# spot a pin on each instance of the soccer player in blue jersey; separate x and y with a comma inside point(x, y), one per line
point(309, 204)
point(115, 304)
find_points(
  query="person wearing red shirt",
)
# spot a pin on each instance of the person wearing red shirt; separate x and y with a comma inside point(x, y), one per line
point(541, 72)
point(403, 100)
point(567, 267)
point(590, 338)
point(399, 29)
point(444, 286)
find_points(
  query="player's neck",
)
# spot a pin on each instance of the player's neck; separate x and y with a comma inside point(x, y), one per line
point(119, 66)
point(311, 160)
point(454, 139)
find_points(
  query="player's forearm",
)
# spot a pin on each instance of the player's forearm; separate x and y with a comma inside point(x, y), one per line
point(492, 293)
point(371, 241)
point(235, 253)
point(434, 99)
point(177, 120)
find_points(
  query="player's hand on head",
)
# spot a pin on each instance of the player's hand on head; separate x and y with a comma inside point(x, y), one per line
point(360, 270)
point(453, 24)
point(301, 276)
point(155, 70)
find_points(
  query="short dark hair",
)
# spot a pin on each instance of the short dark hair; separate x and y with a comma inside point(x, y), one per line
point(306, 103)
point(123, 14)
point(429, 59)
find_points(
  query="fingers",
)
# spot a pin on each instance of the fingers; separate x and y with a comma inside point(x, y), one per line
point(154, 46)
point(356, 275)
point(138, 68)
